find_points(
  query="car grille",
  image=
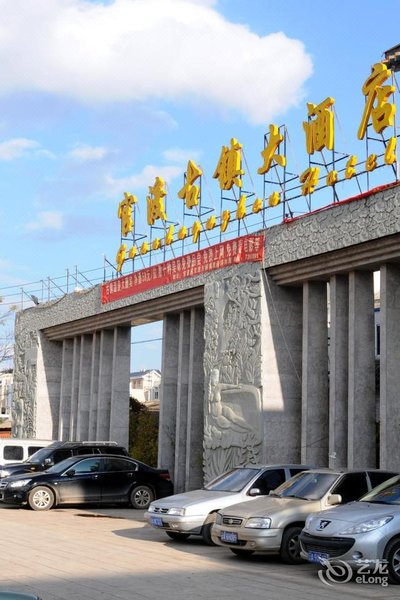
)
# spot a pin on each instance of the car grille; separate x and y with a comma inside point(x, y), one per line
point(159, 510)
point(3, 484)
point(333, 546)
point(232, 521)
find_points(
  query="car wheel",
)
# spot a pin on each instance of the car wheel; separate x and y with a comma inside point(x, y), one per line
point(141, 496)
point(392, 555)
point(206, 534)
point(41, 498)
point(290, 547)
point(241, 552)
point(176, 535)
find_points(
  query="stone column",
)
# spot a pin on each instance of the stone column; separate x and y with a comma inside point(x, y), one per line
point(315, 398)
point(390, 367)
point(362, 409)
point(195, 412)
point(94, 385)
point(76, 364)
point(84, 380)
point(168, 393)
point(182, 402)
point(105, 384)
point(47, 409)
point(119, 417)
point(281, 348)
point(66, 389)
point(338, 367)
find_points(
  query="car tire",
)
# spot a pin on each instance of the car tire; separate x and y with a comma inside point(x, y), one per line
point(141, 496)
point(177, 536)
point(392, 556)
point(241, 553)
point(206, 534)
point(41, 498)
point(290, 546)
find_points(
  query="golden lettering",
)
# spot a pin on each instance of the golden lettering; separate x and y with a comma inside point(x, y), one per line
point(309, 179)
point(320, 131)
point(390, 152)
point(189, 192)
point(155, 202)
point(268, 154)
point(229, 167)
point(382, 113)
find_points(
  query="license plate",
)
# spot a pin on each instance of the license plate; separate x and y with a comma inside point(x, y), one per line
point(317, 557)
point(157, 521)
point(229, 536)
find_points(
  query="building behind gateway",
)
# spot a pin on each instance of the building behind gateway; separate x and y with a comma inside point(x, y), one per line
point(248, 373)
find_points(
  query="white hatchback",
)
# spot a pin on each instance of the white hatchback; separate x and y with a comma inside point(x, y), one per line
point(193, 513)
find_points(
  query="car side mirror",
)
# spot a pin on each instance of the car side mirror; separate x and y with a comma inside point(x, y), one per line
point(70, 472)
point(255, 492)
point(334, 499)
point(48, 462)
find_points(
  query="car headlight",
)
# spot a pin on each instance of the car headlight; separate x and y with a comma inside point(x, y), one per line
point(4, 473)
point(151, 508)
point(19, 483)
point(259, 523)
point(179, 512)
point(218, 519)
point(366, 526)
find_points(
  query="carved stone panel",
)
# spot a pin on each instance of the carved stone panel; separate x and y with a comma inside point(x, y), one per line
point(232, 363)
point(25, 376)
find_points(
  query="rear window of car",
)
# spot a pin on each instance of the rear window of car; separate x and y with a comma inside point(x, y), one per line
point(13, 453)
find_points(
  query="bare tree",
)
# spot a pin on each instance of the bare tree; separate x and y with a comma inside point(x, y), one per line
point(6, 336)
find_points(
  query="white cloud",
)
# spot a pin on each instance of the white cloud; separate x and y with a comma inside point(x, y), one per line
point(181, 156)
point(176, 50)
point(88, 153)
point(17, 147)
point(46, 220)
point(144, 179)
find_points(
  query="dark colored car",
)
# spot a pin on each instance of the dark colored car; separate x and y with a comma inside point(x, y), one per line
point(58, 451)
point(100, 479)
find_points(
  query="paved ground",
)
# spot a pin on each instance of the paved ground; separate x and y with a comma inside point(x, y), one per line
point(112, 554)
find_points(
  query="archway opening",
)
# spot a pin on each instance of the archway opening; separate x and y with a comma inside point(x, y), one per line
point(144, 391)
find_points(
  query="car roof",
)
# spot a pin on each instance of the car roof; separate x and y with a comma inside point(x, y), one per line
point(70, 444)
point(341, 471)
point(273, 466)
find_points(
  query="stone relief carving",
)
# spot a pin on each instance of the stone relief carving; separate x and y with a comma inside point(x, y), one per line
point(233, 430)
point(24, 395)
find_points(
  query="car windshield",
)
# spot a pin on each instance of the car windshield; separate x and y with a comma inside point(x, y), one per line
point(39, 456)
point(63, 465)
point(310, 486)
point(232, 481)
point(387, 492)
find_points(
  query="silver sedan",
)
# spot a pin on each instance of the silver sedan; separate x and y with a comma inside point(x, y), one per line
point(364, 533)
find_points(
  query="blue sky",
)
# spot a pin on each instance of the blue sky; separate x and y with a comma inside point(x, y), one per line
point(97, 98)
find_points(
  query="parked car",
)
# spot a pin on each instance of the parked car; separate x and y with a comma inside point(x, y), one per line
point(272, 524)
point(103, 479)
point(17, 450)
point(57, 451)
point(362, 532)
point(193, 513)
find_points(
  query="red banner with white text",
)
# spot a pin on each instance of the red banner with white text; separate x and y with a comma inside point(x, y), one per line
point(249, 248)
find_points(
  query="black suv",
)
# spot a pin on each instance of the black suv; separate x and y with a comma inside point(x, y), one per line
point(53, 454)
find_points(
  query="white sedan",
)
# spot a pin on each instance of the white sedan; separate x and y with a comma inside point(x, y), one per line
point(193, 513)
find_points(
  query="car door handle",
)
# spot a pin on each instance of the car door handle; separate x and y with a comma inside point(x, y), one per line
point(95, 476)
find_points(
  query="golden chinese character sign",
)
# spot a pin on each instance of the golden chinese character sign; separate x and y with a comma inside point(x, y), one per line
point(282, 189)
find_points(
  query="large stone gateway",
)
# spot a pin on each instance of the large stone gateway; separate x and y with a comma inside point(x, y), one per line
point(262, 362)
